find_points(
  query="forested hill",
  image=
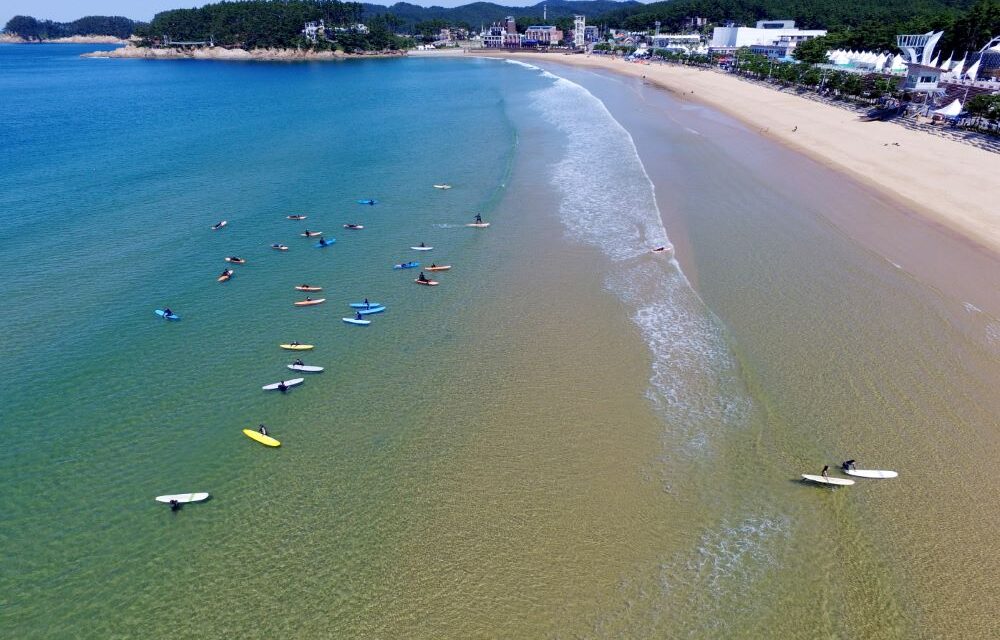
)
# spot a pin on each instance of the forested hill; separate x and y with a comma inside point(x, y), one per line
point(484, 13)
point(33, 29)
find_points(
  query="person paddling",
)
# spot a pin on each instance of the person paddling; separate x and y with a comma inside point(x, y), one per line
point(167, 312)
point(298, 362)
point(358, 316)
point(422, 277)
point(282, 387)
point(262, 429)
point(848, 465)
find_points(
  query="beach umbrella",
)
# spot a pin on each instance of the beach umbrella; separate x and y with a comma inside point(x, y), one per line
point(951, 110)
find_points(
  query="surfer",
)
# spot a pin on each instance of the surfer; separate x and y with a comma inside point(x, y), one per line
point(295, 343)
point(479, 218)
point(422, 277)
point(298, 362)
point(168, 312)
point(262, 429)
point(433, 265)
point(368, 305)
point(175, 506)
point(848, 465)
point(282, 387)
point(826, 471)
point(308, 299)
point(422, 244)
point(357, 316)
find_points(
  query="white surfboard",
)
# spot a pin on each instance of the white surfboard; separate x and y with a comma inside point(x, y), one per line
point(421, 248)
point(305, 367)
point(288, 383)
point(840, 482)
point(871, 473)
point(183, 497)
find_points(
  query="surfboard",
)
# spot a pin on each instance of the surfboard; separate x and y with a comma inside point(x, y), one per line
point(367, 201)
point(406, 265)
point(311, 234)
point(429, 283)
point(294, 382)
point(226, 276)
point(219, 225)
point(280, 247)
point(296, 217)
point(443, 267)
point(355, 227)
point(442, 186)
point(362, 305)
point(296, 347)
point(478, 225)
point(370, 311)
point(356, 321)
point(840, 482)
point(309, 303)
point(322, 244)
point(879, 474)
point(267, 441)
point(306, 287)
point(421, 248)
point(236, 260)
point(162, 314)
point(183, 497)
point(305, 367)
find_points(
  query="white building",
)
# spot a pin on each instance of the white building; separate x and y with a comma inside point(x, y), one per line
point(780, 34)
point(579, 31)
point(677, 43)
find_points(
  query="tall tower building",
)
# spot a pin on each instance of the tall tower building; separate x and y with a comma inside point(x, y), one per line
point(579, 31)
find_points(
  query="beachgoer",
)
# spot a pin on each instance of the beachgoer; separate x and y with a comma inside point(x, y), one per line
point(282, 387)
point(422, 277)
point(826, 471)
point(433, 264)
point(174, 505)
point(308, 299)
point(168, 312)
point(795, 129)
point(295, 344)
point(367, 304)
point(848, 465)
point(298, 362)
point(479, 218)
point(262, 429)
point(357, 316)
point(422, 244)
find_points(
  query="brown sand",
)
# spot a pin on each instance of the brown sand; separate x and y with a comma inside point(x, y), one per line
point(951, 183)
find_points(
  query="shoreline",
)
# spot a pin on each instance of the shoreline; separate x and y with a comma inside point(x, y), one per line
point(944, 181)
point(15, 39)
point(236, 54)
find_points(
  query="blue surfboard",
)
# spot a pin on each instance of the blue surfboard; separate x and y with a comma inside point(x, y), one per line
point(367, 201)
point(322, 244)
point(362, 305)
point(374, 309)
point(406, 265)
point(162, 314)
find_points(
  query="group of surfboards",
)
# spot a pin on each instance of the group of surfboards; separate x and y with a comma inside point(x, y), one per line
point(848, 468)
point(361, 312)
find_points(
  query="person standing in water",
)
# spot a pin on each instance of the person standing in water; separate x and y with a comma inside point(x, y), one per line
point(826, 471)
point(848, 465)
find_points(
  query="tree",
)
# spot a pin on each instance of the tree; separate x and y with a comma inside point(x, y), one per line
point(812, 51)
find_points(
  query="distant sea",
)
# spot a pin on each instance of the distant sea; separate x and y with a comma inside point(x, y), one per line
point(565, 438)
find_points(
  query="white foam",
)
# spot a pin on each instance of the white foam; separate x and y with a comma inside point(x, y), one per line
point(521, 64)
point(608, 201)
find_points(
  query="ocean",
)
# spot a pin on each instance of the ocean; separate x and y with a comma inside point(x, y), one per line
point(571, 436)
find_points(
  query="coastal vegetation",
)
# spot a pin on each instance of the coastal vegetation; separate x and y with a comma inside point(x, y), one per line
point(33, 29)
point(254, 24)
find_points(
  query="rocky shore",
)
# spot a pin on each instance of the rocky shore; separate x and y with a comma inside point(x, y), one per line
point(222, 53)
point(9, 38)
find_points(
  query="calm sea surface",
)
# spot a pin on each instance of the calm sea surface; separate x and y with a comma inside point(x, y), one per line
point(565, 438)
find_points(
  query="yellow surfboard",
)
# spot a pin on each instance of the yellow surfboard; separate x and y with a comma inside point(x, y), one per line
point(296, 347)
point(261, 438)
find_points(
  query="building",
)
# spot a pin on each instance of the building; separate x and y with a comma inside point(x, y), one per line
point(676, 43)
point(313, 31)
point(512, 39)
point(919, 49)
point(493, 38)
point(694, 23)
point(591, 34)
point(921, 78)
point(542, 35)
point(778, 34)
point(579, 31)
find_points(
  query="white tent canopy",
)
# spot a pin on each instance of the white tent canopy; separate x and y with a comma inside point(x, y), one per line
point(951, 110)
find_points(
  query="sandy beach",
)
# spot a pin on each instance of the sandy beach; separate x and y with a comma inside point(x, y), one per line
point(952, 184)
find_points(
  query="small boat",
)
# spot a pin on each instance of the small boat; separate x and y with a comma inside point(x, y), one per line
point(167, 316)
point(226, 275)
point(296, 217)
point(311, 234)
point(407, 265)
point(236, 260)
point(356, 227)
point(478, 225)
point(308, 303)
point(442, 186)
point(324, 243)
point(429, 283)
point(280, 247)
point(295, 346)
point(219, 225)
point(362, 323)
point(421, 248)
point(306, 287)
point(443, 267)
